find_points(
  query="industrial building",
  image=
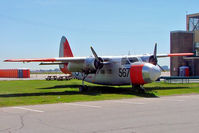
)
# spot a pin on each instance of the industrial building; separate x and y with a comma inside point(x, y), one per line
point(185, 42)
point(14, 73)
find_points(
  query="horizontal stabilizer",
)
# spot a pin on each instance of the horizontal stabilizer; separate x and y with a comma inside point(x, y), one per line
point(52, 63)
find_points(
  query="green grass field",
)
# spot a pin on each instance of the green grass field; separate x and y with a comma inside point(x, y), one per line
point(31, 92)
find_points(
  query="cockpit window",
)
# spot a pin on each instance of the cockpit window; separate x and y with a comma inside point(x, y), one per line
point(125, 61)
point(133, 59)
point(145, 58)
point(129, 60)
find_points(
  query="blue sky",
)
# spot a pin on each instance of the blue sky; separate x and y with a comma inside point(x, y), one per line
point(33, 28)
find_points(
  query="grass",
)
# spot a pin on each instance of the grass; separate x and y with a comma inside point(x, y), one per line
point(31, 92)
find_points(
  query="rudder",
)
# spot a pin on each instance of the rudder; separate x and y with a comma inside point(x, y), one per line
point(65, 51)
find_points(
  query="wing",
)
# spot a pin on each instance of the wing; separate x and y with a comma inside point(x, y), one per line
point(59, 60)
point(174, 54)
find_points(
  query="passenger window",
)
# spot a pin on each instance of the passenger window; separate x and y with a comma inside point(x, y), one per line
point(109, 71)
point(102, 71)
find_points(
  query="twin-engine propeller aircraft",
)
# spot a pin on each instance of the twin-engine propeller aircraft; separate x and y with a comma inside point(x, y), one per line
point(135, 70)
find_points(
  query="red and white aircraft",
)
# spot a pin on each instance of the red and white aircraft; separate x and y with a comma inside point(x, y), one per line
point(135, 70)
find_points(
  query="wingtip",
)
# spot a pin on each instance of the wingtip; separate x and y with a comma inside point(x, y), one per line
point(8, 60)
point(180, 54)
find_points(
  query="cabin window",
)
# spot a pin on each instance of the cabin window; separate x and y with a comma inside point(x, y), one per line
point(109, 71)
point(102, 71)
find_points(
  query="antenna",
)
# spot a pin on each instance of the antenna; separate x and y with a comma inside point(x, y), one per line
point(186, 12)
point(129, 53)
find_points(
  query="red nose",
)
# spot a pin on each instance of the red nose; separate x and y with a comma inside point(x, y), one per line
point(136, 74)
point(142, 73)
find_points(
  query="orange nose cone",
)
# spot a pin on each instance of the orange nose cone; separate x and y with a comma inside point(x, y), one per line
point(144, 73)
point(136, 74)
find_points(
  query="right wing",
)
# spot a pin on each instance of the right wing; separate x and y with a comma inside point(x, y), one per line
point(174, 54)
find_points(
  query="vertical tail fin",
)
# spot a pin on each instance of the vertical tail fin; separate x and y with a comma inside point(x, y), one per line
point(65, 51)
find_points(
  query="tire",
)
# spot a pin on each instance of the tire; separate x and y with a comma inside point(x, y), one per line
point(83, 88)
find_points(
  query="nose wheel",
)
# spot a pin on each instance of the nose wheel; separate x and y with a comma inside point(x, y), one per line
point(139, 89)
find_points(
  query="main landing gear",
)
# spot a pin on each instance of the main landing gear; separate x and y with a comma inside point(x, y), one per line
point(83, 88)
point(139, 89)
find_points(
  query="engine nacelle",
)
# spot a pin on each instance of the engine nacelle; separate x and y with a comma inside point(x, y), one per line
point(142, 73)
point(88, 66)
point(149, 59)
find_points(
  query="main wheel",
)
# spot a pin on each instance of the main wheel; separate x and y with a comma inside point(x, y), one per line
point(83, 88)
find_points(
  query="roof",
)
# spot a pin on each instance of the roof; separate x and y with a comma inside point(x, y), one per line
point(195, 15)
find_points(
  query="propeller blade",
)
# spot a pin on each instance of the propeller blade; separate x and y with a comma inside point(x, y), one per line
point(161, 68)
point(97, 71)
point(95, 55)
point(155, 51)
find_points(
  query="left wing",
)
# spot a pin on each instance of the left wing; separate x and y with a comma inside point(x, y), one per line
point(50, 60)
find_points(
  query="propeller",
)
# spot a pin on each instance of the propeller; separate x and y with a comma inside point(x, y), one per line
point(95, 55)
point(161, 68)
point(155, 53)
point(153, 59)
point(99, 63)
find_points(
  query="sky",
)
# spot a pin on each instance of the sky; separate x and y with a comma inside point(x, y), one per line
point(33, 28)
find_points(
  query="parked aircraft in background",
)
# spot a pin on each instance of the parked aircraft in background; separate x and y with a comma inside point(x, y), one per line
point(135, 70)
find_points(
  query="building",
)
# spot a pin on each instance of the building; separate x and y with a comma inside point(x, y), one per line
point(186, 42)
point(14, 73)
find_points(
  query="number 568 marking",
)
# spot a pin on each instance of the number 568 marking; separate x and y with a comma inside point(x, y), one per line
point(124, 72)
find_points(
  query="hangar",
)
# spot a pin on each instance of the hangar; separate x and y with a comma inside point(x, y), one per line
point(185, 41)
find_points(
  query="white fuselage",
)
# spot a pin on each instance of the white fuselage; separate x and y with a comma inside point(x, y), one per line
point(117, 72)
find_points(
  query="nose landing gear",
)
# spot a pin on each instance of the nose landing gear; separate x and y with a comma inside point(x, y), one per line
point(139, 89)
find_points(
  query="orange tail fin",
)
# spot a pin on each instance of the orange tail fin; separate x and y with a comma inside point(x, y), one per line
point(65, 51)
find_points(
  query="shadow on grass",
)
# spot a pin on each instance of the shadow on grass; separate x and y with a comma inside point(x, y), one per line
point(61, 86)
point(94, 91)
point(40, 94)
point(98, 90)
point(164, 88)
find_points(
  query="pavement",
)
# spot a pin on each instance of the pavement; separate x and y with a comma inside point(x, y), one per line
point(173, 114)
